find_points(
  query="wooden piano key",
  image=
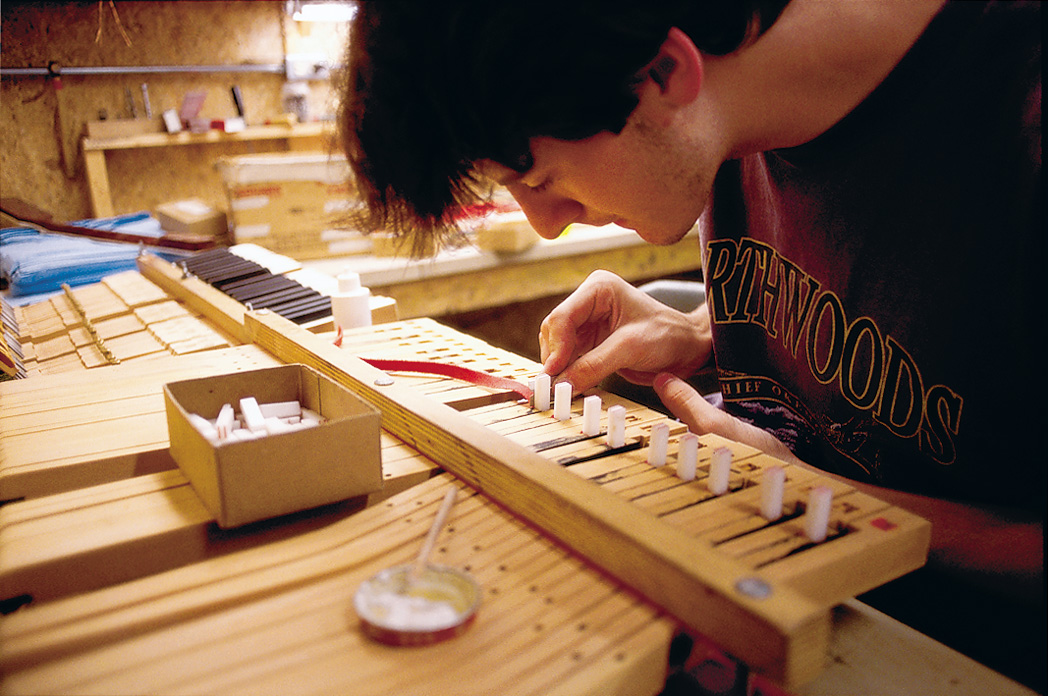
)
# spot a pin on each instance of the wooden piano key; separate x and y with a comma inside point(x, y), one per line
point(161, 311)
point(198, 344)
point(99, 302)
point(635, 482)
point(66, 311)
point(63, 364)
point(55, 347)
point(134, 346)
point(118, 326)
point(134, 290)
point(91, 356)
point(882, 540)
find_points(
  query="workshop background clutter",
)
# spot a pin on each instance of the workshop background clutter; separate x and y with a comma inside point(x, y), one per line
point(285, 70)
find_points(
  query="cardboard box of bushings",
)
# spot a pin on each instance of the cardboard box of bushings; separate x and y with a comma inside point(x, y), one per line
point(245, 480)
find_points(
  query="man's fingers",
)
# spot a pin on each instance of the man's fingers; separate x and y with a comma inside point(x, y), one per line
point(687, 404)
point(590, 368)
point(702, 417)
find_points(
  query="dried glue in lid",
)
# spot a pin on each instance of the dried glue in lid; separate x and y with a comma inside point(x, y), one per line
point(439, 604)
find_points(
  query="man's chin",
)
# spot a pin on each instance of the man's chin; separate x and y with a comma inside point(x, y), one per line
point(663, 236)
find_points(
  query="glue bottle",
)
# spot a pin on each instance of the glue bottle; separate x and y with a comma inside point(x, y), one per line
point(350, 305)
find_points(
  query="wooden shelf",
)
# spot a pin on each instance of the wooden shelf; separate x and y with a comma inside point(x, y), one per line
point(279, 132)
point(298, 137)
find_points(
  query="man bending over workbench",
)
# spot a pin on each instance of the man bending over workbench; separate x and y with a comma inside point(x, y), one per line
point(867, 180)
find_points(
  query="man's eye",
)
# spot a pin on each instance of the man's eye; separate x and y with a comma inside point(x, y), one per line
point(541, 187)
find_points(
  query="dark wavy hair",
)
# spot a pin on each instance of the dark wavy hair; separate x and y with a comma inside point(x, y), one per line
point(432, 87)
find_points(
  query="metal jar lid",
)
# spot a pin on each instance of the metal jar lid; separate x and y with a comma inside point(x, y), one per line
point(397, 610)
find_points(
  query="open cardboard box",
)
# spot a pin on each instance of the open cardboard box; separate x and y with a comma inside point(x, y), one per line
point(246, 481)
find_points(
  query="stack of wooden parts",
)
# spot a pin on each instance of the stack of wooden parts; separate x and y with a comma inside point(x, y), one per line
point(124, 315)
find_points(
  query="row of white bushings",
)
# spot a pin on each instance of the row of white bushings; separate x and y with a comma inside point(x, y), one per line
point(773, 480)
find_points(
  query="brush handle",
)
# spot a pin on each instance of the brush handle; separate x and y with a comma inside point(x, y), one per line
point(434, 532)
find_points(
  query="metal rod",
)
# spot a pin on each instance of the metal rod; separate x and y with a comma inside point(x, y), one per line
point(276, 68)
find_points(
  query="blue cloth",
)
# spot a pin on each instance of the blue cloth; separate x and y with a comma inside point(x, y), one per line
point(35, 263)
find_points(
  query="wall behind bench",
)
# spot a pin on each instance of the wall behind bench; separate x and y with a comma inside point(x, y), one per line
point(41, 125)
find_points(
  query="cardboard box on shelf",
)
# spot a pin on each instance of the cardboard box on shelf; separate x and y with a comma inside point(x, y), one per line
point(192, 216)
point(242, 481)
point(292, 203)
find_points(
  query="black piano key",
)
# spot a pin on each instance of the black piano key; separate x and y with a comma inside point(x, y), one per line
point(267, 286)
point(254, 285)
point(290, 309)
point(283, 297)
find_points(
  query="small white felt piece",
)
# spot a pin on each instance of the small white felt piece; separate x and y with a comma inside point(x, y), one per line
point(308, 415)
point(204, 426)
point(281, 409)
point(275, 426)
point(591, 415)
point(773, 482)
point(562, 401)
point(817, 516)
point(226, 417)
point(542, 392)
point(659, 444)
point(252, 414)
point(720, 470)
point(617, 426)
point(687, 456)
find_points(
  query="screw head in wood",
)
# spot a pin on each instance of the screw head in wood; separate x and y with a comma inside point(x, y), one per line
point(753, 587)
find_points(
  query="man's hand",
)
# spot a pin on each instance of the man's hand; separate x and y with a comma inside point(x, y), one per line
point(609, 326)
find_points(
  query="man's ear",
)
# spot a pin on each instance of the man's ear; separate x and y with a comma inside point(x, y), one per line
point(677, 69)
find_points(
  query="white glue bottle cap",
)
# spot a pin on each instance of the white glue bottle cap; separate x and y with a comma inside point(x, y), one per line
point(350, 305)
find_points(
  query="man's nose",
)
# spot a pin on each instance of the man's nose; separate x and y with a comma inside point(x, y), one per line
point(548, 213)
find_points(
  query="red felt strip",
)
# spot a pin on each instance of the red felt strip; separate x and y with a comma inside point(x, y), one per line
point(482, 379)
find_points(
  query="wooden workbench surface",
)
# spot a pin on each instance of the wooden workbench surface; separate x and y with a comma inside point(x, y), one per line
point(135, 590)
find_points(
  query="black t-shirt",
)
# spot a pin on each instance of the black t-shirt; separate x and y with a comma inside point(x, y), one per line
point(878, 293)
